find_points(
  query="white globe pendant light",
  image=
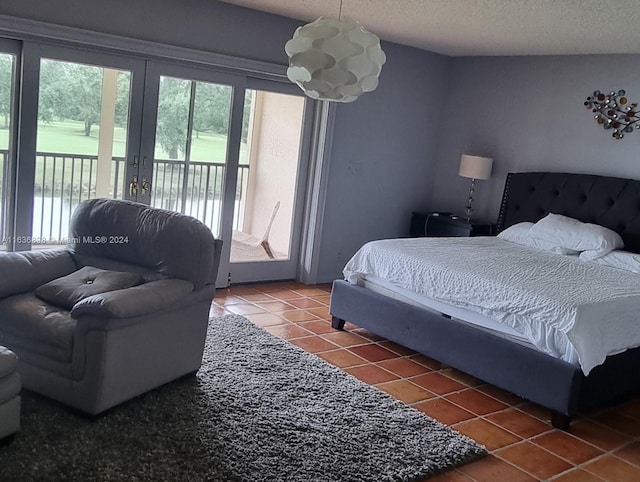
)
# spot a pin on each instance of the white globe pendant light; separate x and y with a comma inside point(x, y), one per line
point(334, 59)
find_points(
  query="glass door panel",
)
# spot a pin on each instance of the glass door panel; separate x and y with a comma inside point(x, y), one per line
point(271, 183)
point(267, 175)
point(81, 142)
point(190, 154)
point(7, 95)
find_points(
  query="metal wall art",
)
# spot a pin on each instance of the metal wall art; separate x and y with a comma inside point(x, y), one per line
point(613, 111)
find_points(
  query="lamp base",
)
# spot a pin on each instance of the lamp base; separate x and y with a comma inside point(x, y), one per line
point(470, 201)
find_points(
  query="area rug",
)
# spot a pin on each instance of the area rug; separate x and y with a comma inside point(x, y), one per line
point(259, 409)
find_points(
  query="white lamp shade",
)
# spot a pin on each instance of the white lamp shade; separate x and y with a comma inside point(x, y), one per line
point(335, 60)
point(475, 167)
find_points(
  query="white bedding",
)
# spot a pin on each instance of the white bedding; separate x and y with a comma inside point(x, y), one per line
point(546, 297)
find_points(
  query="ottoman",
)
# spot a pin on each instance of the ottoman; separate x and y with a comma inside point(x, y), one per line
point(9, 393)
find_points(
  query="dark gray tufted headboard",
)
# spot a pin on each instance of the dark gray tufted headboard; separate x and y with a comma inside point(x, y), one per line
point(612, 202)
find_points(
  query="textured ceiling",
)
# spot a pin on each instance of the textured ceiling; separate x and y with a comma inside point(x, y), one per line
point(483, 27)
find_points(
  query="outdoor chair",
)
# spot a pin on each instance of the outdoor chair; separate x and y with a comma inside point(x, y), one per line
point(245, 246)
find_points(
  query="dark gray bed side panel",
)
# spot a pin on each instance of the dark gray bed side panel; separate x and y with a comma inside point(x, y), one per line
point(550, 382)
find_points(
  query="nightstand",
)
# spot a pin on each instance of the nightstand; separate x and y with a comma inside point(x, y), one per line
point(432, 224)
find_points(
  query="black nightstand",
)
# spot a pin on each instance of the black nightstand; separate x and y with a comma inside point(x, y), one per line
point(430, 224)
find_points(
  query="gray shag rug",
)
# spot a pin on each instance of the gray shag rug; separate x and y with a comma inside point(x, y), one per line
point(259, 409)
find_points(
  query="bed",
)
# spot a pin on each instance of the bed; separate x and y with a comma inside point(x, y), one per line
point(561, 385)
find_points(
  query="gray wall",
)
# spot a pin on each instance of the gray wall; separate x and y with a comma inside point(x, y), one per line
point(384, 151)
point(205, 25)
point(384, 145)
point(528, 114)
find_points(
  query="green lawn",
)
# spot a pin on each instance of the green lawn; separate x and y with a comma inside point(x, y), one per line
point(68, 137)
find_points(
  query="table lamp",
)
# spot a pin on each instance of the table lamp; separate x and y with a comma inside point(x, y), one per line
point(474, 167)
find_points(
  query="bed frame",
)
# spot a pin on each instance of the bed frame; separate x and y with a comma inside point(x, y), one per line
point(524, 371)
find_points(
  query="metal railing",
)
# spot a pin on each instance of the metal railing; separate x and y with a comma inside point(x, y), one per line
point(62, 181)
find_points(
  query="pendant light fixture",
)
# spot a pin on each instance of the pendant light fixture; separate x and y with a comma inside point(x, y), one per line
point(334, 59)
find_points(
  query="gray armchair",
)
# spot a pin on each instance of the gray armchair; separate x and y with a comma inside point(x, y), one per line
point(94, 343)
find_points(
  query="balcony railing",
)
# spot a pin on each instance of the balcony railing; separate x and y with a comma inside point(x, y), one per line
point(62, 181)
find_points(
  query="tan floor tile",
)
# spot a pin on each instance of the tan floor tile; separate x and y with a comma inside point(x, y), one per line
point(310, 291)
point(371, 374)
point(314, 344)
point(298, 315)
point(316, 326)
point(502, 395)
point(577, 475)
point(630, 453)
point(450, 476)
point(226, 299)
point(462, 377)
point(325, 300)
point(438, 383)
point(304, 303)
point(373, 353)
point(342, 358)
point(486, 433)
point(288, 331)
point(426, 361)
point(254, 297)
point(476, 402)
point(216, 310)
point(534, 460)
point(285, 294)
point(364, 333)
point(266, 319)
point(275, 306)
point(394, 347)
point(631, 408)
point(404, 367)
point(322, 312)
point(444, 411)
point(492, 469)
point(242, 290)
point(598, 435)
point(344, 338)
point(244, 309)
point(613, 469)
point(405, 391)
point(519, 423)
point(567, 446)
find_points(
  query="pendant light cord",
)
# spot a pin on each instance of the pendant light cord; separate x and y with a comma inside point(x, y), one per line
point(340, 12)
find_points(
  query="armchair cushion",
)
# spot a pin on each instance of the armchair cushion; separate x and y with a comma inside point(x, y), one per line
point(88, 281)
point(157, 296)
point(27, 321)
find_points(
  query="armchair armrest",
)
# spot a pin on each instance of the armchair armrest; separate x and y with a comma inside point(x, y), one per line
point(24, 271)
point(140, 300)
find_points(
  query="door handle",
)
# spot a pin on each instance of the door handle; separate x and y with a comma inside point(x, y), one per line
point(133, 186)
point(135, 161)
point(145, 186)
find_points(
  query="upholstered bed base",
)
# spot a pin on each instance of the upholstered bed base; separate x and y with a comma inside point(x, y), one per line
point(550, 382)
point(524, 371)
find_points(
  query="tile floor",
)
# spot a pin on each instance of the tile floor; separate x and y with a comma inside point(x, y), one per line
point(603, 445)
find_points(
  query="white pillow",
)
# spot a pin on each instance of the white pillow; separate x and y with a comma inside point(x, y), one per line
point(621, 260)
point(519, 234)
point(591, 240)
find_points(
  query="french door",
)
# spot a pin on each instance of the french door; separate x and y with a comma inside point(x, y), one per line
point(228, 150)
point(225, 148)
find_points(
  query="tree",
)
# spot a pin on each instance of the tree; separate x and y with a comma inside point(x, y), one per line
point(6, 83)
point(70, 91)
point(173, 115)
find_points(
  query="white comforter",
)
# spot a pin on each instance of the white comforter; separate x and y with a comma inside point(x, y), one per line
point(537, 293)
